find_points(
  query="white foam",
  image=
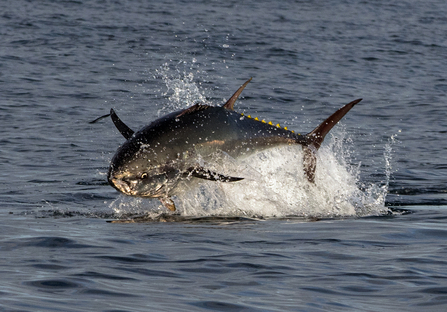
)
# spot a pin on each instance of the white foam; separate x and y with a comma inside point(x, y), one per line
point(281, 189)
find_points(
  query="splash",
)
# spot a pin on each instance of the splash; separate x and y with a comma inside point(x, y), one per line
point(377, 192)
point(182, 91)
point(274, 184)
point(387, 154)
point(281, 189)
point(275, 187)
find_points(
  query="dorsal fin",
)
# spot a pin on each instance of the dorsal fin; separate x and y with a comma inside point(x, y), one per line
point(121, 126)
point(230, 103)
point(195, 108)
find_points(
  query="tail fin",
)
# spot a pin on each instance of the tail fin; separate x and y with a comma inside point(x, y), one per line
point(316, 137)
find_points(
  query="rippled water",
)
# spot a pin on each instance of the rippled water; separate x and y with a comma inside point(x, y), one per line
point(370, 237)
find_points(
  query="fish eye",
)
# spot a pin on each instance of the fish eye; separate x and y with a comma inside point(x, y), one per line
point(143, 175)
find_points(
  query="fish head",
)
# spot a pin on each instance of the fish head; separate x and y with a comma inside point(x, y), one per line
point(135, 171)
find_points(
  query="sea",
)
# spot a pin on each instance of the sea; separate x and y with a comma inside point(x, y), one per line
point(369, 235)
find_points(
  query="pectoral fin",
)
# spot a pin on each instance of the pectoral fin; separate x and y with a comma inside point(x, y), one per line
point(121, 126)
point(202, 173)
point(98, 119)
point(168, 203)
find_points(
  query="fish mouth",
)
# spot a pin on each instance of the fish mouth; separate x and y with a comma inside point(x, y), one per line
point(159, 192)
point(122, 186)
point(125, 188)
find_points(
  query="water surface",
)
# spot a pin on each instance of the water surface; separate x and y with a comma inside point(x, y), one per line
point(275, 246)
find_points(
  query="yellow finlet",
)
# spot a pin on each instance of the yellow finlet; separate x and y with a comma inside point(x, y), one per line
point(278, 125)
point(263, 121)
point(249, 116)
point(270, 123)
point(257, 118)
point(285, 128)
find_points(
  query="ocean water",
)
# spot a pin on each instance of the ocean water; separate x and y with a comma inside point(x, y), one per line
point(370, 236)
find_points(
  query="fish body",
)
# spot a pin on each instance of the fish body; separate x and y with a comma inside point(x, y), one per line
point(179, 145)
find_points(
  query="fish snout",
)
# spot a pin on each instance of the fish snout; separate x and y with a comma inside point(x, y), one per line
point(121, 185)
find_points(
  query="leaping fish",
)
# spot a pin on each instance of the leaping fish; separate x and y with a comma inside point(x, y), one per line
point(156, 158)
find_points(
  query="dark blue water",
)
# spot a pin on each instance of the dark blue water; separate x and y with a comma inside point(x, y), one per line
point(370, 237)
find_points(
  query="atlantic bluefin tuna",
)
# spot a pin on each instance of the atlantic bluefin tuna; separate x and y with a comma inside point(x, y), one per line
point(153, 160)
